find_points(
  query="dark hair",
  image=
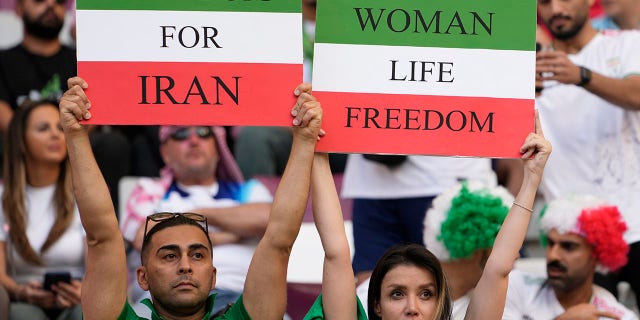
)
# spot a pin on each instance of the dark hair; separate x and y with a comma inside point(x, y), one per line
point(179, 220)
point(414, 255)
point(15, 182)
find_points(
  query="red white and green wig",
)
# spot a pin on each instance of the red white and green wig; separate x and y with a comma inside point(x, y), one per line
point(464, 219)
point(594, 219)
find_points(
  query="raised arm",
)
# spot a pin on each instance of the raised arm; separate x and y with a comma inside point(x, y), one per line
point(265, 289)
point(495, 276)
point(338, 285)
point(104, 289)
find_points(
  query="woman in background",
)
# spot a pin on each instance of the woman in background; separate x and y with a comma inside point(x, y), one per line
point(41, 230)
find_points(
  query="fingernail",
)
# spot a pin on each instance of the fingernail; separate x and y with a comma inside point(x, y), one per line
point(296, 92)
point(296, 122)
point(88, 105)
point(294, 112)
point(87, 115)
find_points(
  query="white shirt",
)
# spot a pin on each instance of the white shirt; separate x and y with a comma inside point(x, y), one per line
point(66, 254)
point(596, 145)
point(528, 298)
point(418, 176)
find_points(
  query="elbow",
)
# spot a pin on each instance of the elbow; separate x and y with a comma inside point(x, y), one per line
point(500, 269)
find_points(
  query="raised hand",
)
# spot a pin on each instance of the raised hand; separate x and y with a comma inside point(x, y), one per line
point(307, 114)
point(535, 150)
point(74, 106)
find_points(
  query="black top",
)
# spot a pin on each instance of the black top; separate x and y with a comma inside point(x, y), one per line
point(25, 75)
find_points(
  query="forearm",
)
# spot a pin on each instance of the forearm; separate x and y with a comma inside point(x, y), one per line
point(12, 287)
point(291, 196)
point(624, 93)
point(245, 220)
point(90, 190)
point(327, 213)
point(513, 230)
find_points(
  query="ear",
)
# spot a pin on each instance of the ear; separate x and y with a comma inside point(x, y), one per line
point(214, 272)
point(376, 308)
point(141, 275)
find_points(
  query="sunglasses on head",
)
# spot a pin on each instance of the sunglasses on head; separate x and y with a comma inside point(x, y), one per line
point(164, 216)
point(184, 133)
point(57, 1)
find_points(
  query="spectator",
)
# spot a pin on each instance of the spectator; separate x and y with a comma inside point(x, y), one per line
point(37, 68)
point(408, 281)
point(44, 232)
point(583, 234)
point(177, 254)
point(202, 177)
point(589, 107)
point(463, 254)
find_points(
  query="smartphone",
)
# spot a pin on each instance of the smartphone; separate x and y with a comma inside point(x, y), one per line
point(51, 278)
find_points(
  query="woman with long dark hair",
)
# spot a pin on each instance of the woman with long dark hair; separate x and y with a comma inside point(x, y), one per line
point(41, 228)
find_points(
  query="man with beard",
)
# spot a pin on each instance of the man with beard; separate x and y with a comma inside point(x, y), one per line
point(37, 69)
point(589, 110)
point(582, 234)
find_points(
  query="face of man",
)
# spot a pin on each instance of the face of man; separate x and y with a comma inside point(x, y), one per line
point(193, 157)
point(570, 261)
point(179, 271)
point(42, 18)
point(564, 18)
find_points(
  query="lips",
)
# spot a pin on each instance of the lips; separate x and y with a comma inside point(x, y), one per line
point(184, 284)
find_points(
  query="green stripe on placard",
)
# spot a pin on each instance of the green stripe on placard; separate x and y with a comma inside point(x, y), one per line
point(473, 24)
point(287, 6)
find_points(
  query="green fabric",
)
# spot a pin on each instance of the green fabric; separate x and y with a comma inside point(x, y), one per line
point(317, 313)
point(236, 312)
point(288, 6)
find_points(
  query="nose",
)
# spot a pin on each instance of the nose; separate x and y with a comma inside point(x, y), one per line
point(557, 6)
point(185, 266)
point(411, 309)
point(552, 252)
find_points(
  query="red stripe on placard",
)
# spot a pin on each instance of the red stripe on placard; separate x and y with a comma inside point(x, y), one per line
point(428, 125)
point(191, 93)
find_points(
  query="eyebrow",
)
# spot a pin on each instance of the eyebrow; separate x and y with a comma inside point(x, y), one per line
point(175, 247)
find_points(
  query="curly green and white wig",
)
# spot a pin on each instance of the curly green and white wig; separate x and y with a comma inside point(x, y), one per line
point(464, 219)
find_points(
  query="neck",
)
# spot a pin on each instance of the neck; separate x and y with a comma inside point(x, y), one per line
point(196, 181)
point(41, 47)
point(42, 175)
point(462, 276)
point(579, 41)
point(581, 294)
point(164, 314)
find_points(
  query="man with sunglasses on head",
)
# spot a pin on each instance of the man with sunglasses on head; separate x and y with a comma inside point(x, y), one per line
point(201, 176)
point(177, 254)
point(37, 69)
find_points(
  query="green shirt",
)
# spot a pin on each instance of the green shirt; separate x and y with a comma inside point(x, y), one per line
point(317, 313)
point(236, 312)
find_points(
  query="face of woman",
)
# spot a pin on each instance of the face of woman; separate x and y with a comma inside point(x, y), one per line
point(407, 292)
point(44, 138)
